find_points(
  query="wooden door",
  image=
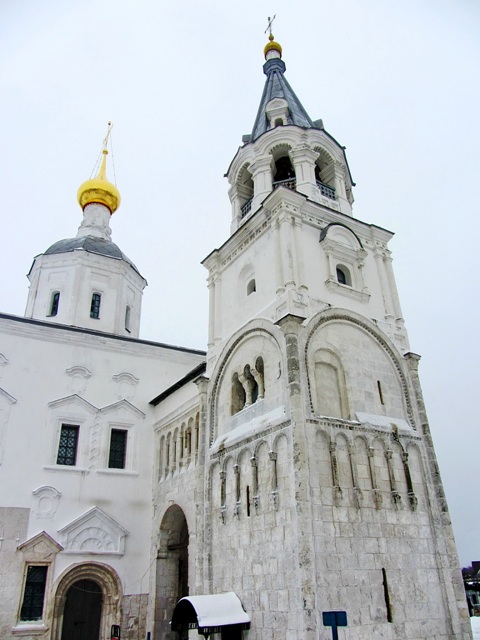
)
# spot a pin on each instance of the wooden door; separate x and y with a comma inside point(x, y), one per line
point(83, 611)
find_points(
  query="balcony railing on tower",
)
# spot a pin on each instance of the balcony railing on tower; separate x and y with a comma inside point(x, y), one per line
point(290, 183)
point(326, 190)
point(246, 208)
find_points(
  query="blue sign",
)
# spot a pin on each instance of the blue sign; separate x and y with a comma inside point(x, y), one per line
point(334, 619)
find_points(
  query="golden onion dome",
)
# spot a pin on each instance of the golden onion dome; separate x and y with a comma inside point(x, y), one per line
point(272, 46)
point(99, 190)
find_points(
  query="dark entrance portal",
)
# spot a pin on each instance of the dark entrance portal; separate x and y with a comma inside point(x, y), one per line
point(172, 572)
point(83, 611)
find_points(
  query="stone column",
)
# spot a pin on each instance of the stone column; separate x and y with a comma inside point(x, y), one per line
point(236, 508)
point(211, 311)
point(253, 462)
point(303, 603)
point(451, 580)
point(337, 489)
point(357, 492)
point(303, 159)
point(261, 169)
point(278, 258)
point(204, 509)
point(273, 477)
point(377, 496)
point(258, 376)
point(387, 259)
point(387, 298)
point(396, 498)
point(412, 498)
point(287, 252)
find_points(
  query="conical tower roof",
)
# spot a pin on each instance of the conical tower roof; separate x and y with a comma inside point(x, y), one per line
point(277, 86)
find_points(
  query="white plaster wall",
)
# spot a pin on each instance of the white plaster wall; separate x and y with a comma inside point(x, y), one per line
point(38, 361)
point(77, 275)
point(280, 248)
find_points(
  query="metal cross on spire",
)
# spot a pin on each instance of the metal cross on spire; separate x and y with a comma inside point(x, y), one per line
point(270, 22)
point(105, 140)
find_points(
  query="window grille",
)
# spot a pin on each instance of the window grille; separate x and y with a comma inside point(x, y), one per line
point(34, 593)
point(67, 448)
point(95, 306)
point(118, 449)
point(54, 304)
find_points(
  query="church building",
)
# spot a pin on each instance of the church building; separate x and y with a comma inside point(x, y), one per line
point(153, 491)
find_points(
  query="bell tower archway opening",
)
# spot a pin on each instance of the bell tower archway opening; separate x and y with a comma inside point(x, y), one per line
point(172, 571)
point(283, 172)
point(245, 189)
point(325, 174)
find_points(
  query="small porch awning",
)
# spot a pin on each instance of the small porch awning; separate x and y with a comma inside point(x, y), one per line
point(210, 614)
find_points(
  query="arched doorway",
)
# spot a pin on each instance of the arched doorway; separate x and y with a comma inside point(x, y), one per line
point(172, 570)
point(89, 597)
point(83, 611)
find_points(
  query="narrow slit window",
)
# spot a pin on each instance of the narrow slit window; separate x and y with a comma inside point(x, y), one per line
point(380, 393)
point(67, 447)
point(128, 311)
point(118, 449)
point(54, 303)
point(386, 595)
point(95, 305)
point(248, 500)
point(34, 593)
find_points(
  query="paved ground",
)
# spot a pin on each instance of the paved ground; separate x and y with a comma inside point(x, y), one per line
point(475, 627)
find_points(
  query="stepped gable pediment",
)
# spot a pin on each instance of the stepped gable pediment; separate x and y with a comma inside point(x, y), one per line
point(94, 532)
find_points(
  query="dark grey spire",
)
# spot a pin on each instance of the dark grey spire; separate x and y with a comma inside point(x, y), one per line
point(277, 86)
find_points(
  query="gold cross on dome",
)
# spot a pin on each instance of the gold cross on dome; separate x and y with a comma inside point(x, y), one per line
point(270, 22)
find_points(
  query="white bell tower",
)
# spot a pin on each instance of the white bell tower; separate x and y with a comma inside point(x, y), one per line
point(319, 466)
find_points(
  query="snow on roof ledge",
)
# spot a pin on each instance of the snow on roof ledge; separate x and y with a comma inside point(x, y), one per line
point(216, 610)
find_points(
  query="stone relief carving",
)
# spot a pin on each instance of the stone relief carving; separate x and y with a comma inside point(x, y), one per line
point(94, 532)
point(126, 383)
point(79, 377)
point(47, 499)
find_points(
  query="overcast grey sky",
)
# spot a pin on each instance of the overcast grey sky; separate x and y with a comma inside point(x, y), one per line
point(395, 82)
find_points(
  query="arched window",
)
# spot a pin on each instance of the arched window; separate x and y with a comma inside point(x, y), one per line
point(325, 175)
point(54, 303)
point(95, 305)
point(238, 395)
point(127, 318)
point(330, 385)
point(251, 287)
point(260, 376)
point(343, 275)
point(250, 385)
point(245, 191)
